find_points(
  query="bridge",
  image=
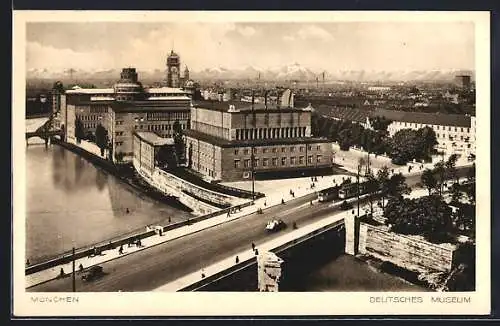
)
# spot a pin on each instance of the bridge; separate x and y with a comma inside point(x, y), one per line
point(247, 259)
point(42, 127)
point(177, 263)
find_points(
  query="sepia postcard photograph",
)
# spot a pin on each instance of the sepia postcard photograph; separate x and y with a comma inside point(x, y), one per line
point(251, 163)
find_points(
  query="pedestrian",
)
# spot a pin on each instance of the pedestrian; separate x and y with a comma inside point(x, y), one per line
point(160, 232)
point(120, 250)
point(127, 210)
point(290, 191)
point(256, 251)
point(228, 213)
point(27, 262)
point(311, 203)
point(169, 219)
point(293, 194)
point(265, 203)
point(253, 246)
point(61, 272)
point(80, 268)
point(237, 259)
point(282, 201)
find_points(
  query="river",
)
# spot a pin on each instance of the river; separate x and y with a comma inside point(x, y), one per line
point(70, 202)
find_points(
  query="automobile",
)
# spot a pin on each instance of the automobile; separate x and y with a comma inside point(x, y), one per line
point(93, 273)
point(275, 225)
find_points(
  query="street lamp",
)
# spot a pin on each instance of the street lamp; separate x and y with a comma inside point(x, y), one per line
point(359, 171)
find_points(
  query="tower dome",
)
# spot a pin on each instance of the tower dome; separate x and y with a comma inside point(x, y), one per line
point(128, 88)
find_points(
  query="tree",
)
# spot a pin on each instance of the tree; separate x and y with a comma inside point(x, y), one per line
point(440, 172)
point(79, 130)
point(428, 141)
point(397, 186)
point(429, 216)
point(178, 141)
point(451, 170)
point(383, 181)
point(166, 156)
point(429, 180)
point(456, 193)
point(380, 123)
point(372, 187)
point(465, 217)
point(101, 138)
point(471, 173)
point(119, 156)
point(345, 139)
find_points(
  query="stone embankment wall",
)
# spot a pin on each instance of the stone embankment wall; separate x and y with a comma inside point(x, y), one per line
point(405, 251)
point(175, 186)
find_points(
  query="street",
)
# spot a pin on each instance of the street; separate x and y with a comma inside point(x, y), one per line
point(151, 268)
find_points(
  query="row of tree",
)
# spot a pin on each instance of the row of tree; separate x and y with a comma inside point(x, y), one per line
point(404, 146)
point(101, 138)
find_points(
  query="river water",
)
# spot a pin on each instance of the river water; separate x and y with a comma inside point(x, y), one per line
point(69, 202)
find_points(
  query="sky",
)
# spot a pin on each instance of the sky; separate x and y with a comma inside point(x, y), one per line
point(335, 46)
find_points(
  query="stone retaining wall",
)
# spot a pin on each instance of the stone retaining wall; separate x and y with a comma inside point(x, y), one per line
point(405, 251)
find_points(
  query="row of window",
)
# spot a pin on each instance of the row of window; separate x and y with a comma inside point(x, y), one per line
point(419, 125)
point(276, 149)
point(266, 133)
point(462, 138)
point(159, 116)
point(274, 161)
point(158, 127)
point(90, 117)
point(98, 109)
point(90, 125)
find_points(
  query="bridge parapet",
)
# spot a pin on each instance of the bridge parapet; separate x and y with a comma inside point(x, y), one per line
point(196, 281)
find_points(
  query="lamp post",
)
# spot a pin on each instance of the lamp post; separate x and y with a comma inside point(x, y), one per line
point(73, 276)
point(357, 177)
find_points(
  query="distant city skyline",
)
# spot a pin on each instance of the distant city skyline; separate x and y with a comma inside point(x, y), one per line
point(384, 46)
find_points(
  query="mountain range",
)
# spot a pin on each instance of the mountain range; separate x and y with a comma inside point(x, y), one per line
point(283, 73)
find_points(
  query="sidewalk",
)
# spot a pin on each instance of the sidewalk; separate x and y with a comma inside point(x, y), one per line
point(272, 200)
point(246, 255)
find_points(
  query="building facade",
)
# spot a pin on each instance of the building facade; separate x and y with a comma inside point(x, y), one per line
point(230, 141)
point(126, 108)
point(455, 133)
point(145, 147)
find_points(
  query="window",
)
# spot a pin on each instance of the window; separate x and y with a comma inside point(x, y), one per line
point(255, 150)
point(236, 152)
point(237, 164)
point(318, 158)
point(275, 150)
point(318, 148)
point(283, 149)
point(265, 162)
point(449, 128)
point(292, 160)
point(455, 129)
point(309, 147)
point(245, 151)
point(310, 159)
point(292, 149)
point(301, 159)
point(283, 161)
point(247, 163)
point(256, 162)
point(275, 161)
point(301, 148)
point(264, 150)
point(462, 129)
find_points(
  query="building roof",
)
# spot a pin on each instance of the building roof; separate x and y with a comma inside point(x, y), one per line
point(91, 91)
point(168, 90)
point(360, 115)
point(348, 114)
point(159, 98)
point(242, 106)
point(457, 120)
point(153, 139)
point(247, 143)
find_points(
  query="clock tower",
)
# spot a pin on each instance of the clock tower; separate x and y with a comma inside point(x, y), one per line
point(173, 71)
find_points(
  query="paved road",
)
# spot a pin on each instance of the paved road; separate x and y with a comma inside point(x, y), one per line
point(151, 268)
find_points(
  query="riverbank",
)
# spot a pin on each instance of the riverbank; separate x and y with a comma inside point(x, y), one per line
point(127, 175)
